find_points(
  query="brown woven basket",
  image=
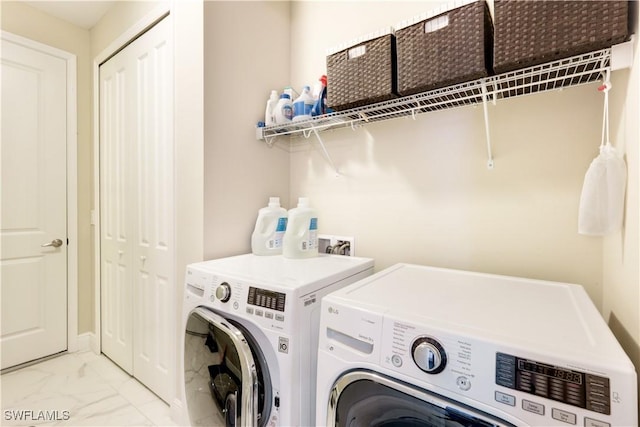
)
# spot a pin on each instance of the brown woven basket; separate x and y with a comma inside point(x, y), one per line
point(531, 32)
point(457, 52)
point(364, 79)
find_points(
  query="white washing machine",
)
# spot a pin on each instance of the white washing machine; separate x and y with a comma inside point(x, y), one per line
point(421, 346)
point(250, 342)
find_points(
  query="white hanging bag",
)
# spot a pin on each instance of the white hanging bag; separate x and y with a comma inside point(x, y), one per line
point(602, 200)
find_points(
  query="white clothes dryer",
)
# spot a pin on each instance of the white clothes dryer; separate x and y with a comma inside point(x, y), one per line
point(420, 346)
point(250, 342)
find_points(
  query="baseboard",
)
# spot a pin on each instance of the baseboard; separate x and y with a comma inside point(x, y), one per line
point(178, 413)
point(87, 342)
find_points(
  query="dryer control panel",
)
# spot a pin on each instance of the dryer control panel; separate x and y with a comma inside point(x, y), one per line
point(568, 386)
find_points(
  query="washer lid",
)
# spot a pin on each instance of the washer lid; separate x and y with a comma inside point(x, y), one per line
point(281, 272)
point(538, 314)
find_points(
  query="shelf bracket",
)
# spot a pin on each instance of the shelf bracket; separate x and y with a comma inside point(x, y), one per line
point(486, 124)
point(326, 153)
point(307, 132)
point(270, 140)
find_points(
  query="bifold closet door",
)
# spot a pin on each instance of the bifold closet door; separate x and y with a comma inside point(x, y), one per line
point(137, 208)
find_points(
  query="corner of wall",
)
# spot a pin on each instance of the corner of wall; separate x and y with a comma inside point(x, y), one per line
point(621, 251)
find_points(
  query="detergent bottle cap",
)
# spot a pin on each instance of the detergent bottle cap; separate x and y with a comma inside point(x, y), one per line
point(274, 202)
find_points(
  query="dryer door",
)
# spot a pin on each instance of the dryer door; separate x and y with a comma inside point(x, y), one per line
point(221, 378)
point(368, 399)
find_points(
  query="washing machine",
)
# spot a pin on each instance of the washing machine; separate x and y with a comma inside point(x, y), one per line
point(420, 346)
point(250, 341)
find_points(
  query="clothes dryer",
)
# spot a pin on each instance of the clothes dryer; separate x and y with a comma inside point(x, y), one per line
point(419, 346)
point(250, 342)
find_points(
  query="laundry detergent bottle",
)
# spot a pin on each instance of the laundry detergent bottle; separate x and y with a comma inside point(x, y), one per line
point(302, 105)
point(268, 234)
point(301, 236)
point(283, 112)
point(270, 109)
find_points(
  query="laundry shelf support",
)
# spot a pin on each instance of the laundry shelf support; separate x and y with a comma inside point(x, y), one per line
point(326, 153)
point(486, 125)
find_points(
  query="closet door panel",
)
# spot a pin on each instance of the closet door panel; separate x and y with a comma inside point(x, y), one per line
point(154, 249)
point(142, 205)
point(116, 254)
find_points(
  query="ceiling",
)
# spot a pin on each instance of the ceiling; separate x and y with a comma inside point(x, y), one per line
point(84, 14)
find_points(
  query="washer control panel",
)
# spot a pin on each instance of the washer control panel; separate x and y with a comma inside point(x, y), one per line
point(530, 389)
point(266, 299)
point(263, 306)
point(431, 355)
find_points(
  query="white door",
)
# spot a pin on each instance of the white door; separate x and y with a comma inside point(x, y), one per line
point(137, 208)
point(34, 204)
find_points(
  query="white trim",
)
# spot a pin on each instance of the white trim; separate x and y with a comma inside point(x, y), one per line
point(178, 413)
point(95, 213)
point(112, 48)
point(72, 179)
point(87, 342)
point(133, 32)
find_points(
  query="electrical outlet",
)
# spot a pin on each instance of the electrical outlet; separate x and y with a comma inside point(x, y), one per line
point(341, 245)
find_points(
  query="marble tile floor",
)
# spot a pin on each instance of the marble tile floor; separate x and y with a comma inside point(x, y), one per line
point(78, 389)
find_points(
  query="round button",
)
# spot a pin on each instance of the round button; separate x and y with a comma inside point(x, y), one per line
point(429, 355)
point(396, 360)
point(223, 292)
point(463, 383)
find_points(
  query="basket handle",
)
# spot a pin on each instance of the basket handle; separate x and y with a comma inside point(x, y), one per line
point(356, 51)
point(435, 24)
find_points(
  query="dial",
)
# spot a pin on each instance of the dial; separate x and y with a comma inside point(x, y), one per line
point(223, 292)
point(429, 355)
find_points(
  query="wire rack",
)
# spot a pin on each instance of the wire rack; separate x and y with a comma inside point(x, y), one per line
point(573, 71)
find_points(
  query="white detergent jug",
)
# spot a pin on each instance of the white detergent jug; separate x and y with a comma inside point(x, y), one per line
point(267, 237)
point(301, 237)
point(302, 105)
point(270, 109)
point(283, 112)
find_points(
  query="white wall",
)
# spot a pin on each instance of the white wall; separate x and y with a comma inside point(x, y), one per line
point(189, 138)
point(246, 55)
point(621, 284)
point(419, 191)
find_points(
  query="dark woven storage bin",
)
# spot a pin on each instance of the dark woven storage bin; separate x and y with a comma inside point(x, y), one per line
point(365, 79)
point(531, 32)
point(457, 52)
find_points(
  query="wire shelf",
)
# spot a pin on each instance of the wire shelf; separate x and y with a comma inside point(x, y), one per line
point(568, 72)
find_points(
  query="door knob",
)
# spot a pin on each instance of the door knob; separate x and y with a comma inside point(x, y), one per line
point(56, 243)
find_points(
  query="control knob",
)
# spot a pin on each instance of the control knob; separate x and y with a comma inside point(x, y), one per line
point(223, 292)
point(429, 355)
